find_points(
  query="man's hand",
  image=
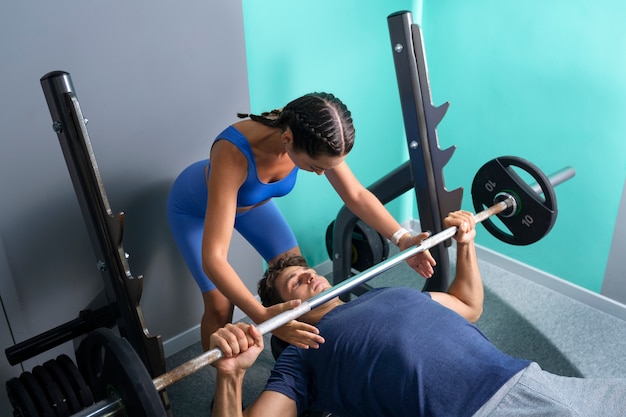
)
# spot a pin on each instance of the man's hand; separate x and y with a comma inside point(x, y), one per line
point(422, 262)
point(465, 294)
point(465, 223)
point(241, 344)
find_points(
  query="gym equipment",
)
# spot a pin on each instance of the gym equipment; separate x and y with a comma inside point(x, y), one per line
point(283, 318)
point(86, 321)
point(53, 394)
point(423, 172)
point(527, 223)
point(421, 118)
point(21, 400)
point(386, 189)
point(63, 381)
point(123, 290)
point(54, 389)
point(79, 386)
point(113, 369)
point(368, 246)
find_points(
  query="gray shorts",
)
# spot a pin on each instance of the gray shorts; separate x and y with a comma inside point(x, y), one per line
point(535, 392)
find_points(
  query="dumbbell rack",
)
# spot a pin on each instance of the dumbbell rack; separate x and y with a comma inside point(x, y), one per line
point(424, 170)
point(123, 290)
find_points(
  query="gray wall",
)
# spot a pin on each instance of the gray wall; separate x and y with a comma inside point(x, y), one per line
point(157, 81)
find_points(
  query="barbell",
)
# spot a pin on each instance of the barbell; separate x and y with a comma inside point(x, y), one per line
point(122, 385)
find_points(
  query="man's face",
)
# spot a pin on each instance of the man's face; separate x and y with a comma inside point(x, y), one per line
point(299, 282)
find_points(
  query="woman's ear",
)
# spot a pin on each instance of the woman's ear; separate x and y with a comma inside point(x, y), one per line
point(287, 136)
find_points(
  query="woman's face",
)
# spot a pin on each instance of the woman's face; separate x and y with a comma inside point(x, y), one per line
point(317, 165)
point(305, 162)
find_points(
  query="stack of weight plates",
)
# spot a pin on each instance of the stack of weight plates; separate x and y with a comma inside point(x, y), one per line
point(53, 389)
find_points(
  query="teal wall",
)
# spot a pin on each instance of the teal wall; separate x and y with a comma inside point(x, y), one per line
point(341, 47)
point(542, 80)
point(545, 81)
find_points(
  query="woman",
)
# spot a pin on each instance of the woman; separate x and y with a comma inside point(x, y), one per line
point(251, 162)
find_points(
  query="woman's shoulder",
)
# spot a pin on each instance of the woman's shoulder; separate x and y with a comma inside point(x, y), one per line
point(234, 137)
point(233, 134)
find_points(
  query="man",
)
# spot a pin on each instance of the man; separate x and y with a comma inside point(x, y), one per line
point(400, 352)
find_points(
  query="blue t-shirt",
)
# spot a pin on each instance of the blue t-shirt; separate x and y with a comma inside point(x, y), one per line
point(394, 352)
point(253, 191)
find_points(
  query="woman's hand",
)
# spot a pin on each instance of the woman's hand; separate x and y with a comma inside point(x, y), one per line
point(299, 334)
point(422, 262)
point(295, 332)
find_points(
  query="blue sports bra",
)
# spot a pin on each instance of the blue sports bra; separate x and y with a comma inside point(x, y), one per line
point(253, 191)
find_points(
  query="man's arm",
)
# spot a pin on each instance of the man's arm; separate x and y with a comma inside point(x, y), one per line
point(241, 344)
point(466, 294)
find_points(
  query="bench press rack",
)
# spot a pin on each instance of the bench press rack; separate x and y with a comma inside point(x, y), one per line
point(122, 289)
point(424, 169)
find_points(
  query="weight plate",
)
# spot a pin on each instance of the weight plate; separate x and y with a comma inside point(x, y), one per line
point(58, 375)
point(116, 371)
point(533, 216)
point(21, 400)
point(37, 394)
point(368, 246)
point(55, 396)
point(81, 389)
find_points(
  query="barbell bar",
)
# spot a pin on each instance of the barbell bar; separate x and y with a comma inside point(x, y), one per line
point(136, 388)
point(507, 202)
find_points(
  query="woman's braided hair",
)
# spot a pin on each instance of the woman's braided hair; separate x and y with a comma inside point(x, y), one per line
point(321, 124)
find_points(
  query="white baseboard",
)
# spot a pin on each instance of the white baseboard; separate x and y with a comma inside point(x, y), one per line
point(181, 341)
point(583, 295)
point(191, 336)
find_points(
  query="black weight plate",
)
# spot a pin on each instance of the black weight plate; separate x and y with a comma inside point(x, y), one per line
point(62, 380)
point(117, 372)
point(368, 246)
point(20, 398)
point(56, 398)
point(534, 216)
point(385, 245)
point(80, 387)
point(37, 394)
point(329, 239)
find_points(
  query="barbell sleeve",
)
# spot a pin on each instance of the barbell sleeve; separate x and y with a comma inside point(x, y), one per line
point(103, 408)
point(557, 178)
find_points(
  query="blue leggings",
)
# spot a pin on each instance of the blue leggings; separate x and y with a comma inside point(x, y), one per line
point(264, 226)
